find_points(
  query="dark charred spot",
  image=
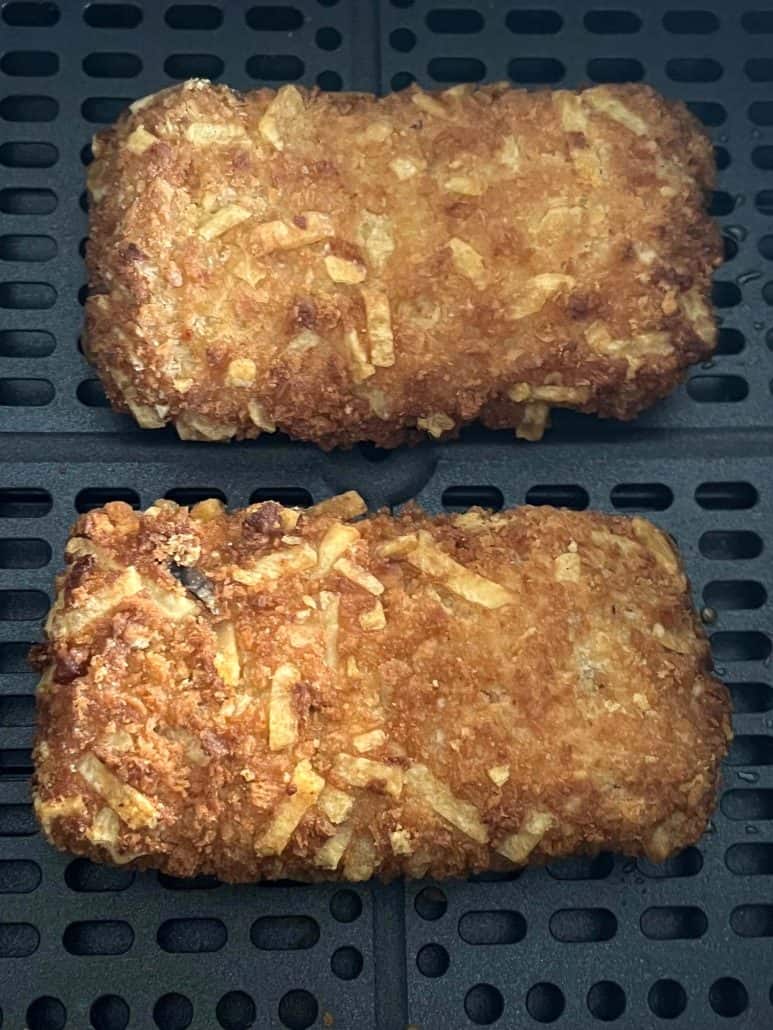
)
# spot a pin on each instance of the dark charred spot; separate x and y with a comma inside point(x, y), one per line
point(577, 140)
point(38, 657)
point(305, 312)
point(241, 160)
point(197, 584)
point(579, 305)
point(70, 664)
point(77, 572)
point(300, 221)
point(97, 289)
point(306, 699)
point(291, 789)
point(131, 252)
point(265, 520)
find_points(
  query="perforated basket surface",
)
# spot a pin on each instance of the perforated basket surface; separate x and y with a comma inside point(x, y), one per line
point(581, 943)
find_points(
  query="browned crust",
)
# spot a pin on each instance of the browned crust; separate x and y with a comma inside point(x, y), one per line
point(527, 685)
point(529, 250)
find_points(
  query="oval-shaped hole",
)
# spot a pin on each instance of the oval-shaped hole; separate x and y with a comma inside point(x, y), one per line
point(92, 393)
point(192, 936)
point(699, 23)
point(641, 497)
point(492, 927)
point(18, 940)
point(98, 937)
point(274, 19)
point(463, 21)
point(24, 554)
point(13, 657)
point(275, 67)
point(583, 867)
point(456, 69)
point(717, 389)
point(104, 110)
point(112, 65)
point(751, 697)
point(726, 496)
point(22, 605)
point(731, 341)
point(26, 343)
point(674, 923)
point(725, 294)
point(29, 108)
point(763, 201)
point(757, 21)
point(612, 23)
point(31, 63)
point(23, 201)
point(687, 863)
point(535, 70)
point(759, 69)
point(559, 496)
point(747, 804)
point(194, 16)
point(583, 925)
point(722, 203)
point(734, 594)
point(194, 883)
point(17, 821)
point(722, 158)
point(730, 545)
point(97, 497)
point(112, 16)
point(189, 495)
point(693, 69)
point(24, 503)
point(460, 498)
point(19, 876)
point(615, 69)
point(31, 13)
point(750, 859)
point(534, 23)
point(17, 710)
point(750, 749)
point(27, 296)
point(740, 646)
point(752, 920)
point(708, 112)
point(25, 393)
point(761, 112)
point(27, 248)
point(15, 762)
point(289, 496)
point(284, 933)
point(762, 157)
point(88, 878)
point(28, 155)
point(190, 66)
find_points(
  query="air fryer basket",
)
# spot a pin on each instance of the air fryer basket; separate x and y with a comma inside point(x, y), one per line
point(688, 944)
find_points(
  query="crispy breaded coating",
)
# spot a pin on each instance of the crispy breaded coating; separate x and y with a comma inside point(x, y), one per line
point(277, 693)
point(342, 267)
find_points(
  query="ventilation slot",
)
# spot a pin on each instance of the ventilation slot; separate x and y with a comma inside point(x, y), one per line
point(112, 65)
point(495, 927)
point(28, 155)
point(274, 19)
point(284, 933)
point(753, 749)
point(19, 876)
point(641, 497)
point(460, 498)
point(534, 23)
point(726, 496)
point(582, 925)
point(571, 496)
point(687, 863)
point(288, 496)
point(98, 497)
point(24, 503)
point(275, 67)
point(752, 920)
point(200, 17)
point(187, 496)
point(112, 16)
point(87, 878)
point(750, 859)
point(673, 923)
point(105, 937)
point(192, 935)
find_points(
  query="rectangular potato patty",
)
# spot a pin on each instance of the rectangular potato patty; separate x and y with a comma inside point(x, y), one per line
point(284, 693)
point(343, 267)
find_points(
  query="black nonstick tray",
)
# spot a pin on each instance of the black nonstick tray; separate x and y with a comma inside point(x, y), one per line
point(688, 944)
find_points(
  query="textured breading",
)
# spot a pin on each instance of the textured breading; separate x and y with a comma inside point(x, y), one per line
point(275, 693)
point(344, 268)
